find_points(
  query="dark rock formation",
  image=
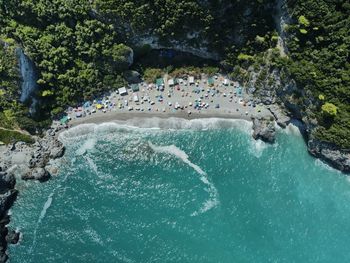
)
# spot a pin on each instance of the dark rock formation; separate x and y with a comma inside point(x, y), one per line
point(46, 149)
point(7, 181)
point(264, 129)
point(8, 196)
point(280, 116)
point(330, 154)
point(12, 237)
point(38, 173)
point(57, 150)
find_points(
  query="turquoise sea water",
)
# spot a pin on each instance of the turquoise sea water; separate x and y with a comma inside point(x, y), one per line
point(202, 191)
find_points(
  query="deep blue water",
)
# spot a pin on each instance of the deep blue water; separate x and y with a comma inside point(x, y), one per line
point(203, 191)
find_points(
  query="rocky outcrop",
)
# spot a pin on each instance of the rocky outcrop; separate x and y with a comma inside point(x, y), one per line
point(181, 46)
point(8, 196)
point(45, 149)
point(280, 115)
point(57, 149)
point(7, 181)
point(38, 173)
point(12, 237)
point(264, 129)
point(29, 78)
point(330, 154)
point(31, 162)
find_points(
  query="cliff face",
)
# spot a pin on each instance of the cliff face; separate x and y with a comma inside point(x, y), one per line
point(272, 86)
point(28, 78)
point(208, 29)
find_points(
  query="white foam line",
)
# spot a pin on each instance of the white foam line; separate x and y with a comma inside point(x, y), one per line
point(91, 163)
point(173, 150)
point(41, 217)
point(43, 212)
point(156, 123)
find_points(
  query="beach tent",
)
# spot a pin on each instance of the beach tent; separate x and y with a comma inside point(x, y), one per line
point(136, 98)
point(87, 104)
point(78, 114)
point(122, 91)
point(135, 87)
point(210, 81)
point(191, 80)
point(171, 82)
point(64, 120)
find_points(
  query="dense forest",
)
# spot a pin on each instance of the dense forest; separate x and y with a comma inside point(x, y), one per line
point(319, 46)
point(82, 48)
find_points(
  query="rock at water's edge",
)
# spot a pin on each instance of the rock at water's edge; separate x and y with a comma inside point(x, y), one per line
point(7, 181)
point(264, 129)
point(7, 200)
point(281, 117)
point(331, 155)
point(40, 174)
point(12, 237)
point(57, 151)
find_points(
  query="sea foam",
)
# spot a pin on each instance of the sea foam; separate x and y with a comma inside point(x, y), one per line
point(89, 144)
point(173, 150)
point(41, 217)
point(155, 123)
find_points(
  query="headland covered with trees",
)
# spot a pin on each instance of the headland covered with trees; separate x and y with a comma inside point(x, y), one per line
point(82, 49)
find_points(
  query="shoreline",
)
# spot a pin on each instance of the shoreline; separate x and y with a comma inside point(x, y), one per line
point(113, 116)
point(262, 129)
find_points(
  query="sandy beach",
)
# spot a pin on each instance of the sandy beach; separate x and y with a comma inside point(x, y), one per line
point(182, 100)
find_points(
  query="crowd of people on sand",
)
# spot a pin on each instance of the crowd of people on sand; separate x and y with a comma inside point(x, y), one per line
point(209, 94)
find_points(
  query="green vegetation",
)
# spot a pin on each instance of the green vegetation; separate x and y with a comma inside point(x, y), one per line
point(9, 136)
point(319, 62)
point(303, 21)
point(329, 109)
point(77, 56)
point(151, 74)
point(81, 48)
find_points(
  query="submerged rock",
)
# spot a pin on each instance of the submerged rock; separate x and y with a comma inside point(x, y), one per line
point(264, 130)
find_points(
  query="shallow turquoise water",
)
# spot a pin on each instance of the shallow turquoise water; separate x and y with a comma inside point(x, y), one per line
point(204, 193)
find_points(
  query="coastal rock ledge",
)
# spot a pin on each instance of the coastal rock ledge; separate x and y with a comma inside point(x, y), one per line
point(264, 129)
point(8, 196)
point(330, 154)
point(38, 173)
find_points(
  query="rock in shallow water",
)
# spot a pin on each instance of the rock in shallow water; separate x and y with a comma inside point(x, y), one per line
point(12, 237)
point(264, 130)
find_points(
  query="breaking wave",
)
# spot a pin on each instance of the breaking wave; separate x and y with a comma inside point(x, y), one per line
point(155, 123)
point(89, 144)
